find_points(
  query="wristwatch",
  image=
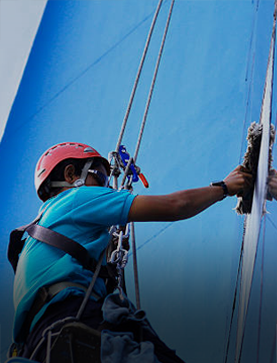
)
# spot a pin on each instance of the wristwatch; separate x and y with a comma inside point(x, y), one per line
point(223, 186)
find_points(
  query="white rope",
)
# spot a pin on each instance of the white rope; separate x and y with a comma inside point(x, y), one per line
point(153, 81)
point(124, 123)
point(133, 160)
point(149, 96)
point(114, 155)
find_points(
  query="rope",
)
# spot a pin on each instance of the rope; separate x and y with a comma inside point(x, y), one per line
point(124, 123)
point(153, 81)
point(148, 99)
point(91, 286)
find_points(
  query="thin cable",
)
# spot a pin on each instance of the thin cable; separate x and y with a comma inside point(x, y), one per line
point(261, 295)
point(249, 78)
point(273, 349)
point(249, 94)
point(235, 296)
point(124, 123)
point(247, 309)
point(251, 42)
point(271, 221)
point(155, 236)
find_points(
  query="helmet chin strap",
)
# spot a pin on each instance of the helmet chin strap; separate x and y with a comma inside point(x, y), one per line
point(79, 182)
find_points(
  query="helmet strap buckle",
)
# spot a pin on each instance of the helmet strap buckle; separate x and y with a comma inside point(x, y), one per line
point(79, 183)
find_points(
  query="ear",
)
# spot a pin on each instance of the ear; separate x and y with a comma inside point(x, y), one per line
point(69, 173)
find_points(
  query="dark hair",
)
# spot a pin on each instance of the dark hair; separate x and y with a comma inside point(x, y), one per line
point(46, 191)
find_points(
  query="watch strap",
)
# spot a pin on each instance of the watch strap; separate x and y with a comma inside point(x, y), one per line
point(223, 186)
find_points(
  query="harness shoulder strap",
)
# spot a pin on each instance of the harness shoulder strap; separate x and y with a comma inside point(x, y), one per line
point(55, 239)
point(67, 245)
point(16, 243)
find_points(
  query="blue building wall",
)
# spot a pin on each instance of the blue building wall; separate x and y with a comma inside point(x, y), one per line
point(76, 87)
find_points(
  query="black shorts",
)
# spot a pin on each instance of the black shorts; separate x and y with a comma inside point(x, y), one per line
point(93, 318)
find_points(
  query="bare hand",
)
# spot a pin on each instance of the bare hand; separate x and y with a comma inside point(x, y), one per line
point(272, 183)
point(239, 181)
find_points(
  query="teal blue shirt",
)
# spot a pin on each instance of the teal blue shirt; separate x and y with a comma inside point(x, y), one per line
point(83, 214)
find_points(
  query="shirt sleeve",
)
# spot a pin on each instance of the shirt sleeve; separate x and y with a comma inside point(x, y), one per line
point(99, 205)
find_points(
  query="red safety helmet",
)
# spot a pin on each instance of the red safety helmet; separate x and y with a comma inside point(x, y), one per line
point(57, 153)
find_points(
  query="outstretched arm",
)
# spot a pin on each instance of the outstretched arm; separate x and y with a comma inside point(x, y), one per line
point(272, 183)
point(186, 203)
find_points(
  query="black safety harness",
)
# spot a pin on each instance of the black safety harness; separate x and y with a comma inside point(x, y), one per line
point(65, 244)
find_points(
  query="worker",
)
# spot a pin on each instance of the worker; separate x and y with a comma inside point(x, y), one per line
point(72, 181)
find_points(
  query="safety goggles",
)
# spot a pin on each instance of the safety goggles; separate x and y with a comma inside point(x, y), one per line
point(100, 177)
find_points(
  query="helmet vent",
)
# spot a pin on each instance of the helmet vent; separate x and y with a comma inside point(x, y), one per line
point(40, 172)
point(89, 150)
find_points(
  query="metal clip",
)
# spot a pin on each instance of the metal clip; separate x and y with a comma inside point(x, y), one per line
point(119, 257)
point(115, 167)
